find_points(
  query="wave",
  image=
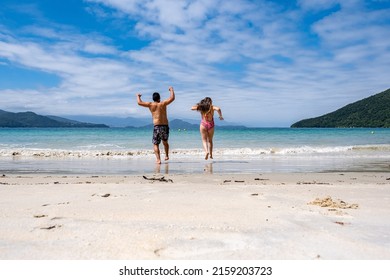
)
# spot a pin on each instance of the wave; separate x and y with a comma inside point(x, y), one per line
point(55, 153)
point(357, 150)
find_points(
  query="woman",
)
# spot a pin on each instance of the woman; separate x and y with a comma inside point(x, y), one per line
point(206, 109)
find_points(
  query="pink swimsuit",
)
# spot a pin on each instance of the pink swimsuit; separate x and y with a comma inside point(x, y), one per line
point(207, 124)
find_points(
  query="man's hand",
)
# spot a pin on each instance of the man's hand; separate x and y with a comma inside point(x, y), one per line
point(171, 97)
point(139, 101)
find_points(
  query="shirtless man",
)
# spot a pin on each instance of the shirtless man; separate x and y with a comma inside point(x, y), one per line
point(160, 120)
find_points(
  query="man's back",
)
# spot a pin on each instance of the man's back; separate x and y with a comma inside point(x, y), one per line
point(157, 108)
point(159, 113)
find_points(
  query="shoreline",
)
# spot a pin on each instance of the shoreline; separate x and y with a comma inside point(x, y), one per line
point(194, 165)
point(274, 216)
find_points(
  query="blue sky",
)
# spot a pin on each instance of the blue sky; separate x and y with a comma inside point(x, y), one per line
point(265, 63)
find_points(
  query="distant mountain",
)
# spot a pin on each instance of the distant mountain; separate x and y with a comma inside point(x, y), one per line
point(112, 121)
point(180, 124)
point(147, 122)
point(218, 122)
point(373, 111)
point(31, 119)
point(177, 124)
point(64, 120)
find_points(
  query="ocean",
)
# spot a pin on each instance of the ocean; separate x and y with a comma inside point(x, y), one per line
point(250, 150)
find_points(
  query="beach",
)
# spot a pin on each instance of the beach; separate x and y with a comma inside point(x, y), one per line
point(268, 194)
point(199, 216)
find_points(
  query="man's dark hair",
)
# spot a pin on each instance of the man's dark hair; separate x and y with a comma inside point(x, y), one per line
point(156, 97)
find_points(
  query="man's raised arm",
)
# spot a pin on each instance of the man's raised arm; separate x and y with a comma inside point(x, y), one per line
point(140, 102)
point(171, 97)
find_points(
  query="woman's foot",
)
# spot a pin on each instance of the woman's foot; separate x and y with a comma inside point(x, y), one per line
point(207, 156)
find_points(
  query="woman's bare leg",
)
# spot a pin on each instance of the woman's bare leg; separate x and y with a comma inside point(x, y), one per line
point(204, 134)
point(210, 141)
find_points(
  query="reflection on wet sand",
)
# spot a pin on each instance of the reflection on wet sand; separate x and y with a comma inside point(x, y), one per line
point(208, 168)
point(165, 169)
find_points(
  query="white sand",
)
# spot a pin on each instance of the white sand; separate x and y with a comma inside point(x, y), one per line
point(203, 216)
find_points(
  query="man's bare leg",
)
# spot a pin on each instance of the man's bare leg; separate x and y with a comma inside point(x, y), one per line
point(166, 148)
point(157, 153)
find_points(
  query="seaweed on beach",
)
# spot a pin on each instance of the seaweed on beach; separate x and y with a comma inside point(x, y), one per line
point(161, 179)
point(329, 202)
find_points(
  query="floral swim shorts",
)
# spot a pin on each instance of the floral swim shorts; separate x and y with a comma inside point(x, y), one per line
point(160, 132)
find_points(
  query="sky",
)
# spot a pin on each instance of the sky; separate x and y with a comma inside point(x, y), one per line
point(264, 63)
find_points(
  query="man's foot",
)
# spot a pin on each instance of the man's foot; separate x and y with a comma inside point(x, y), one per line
point(211, 156)
point(158, 161)
point(167, 158)
point(207, 156)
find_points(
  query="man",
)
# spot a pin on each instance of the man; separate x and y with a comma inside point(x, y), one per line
point(158, 109)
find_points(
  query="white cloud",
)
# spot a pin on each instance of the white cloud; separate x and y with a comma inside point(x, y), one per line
point(97, 48)
point(318, 4)
point(91, 76)
point(128, 6)
point(252, 58)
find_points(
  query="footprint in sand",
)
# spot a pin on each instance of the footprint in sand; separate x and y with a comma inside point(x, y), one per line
point(51, 227)
point(102, 195)
point(39, 216)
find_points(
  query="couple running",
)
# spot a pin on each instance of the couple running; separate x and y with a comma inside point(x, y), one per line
point(158, 109)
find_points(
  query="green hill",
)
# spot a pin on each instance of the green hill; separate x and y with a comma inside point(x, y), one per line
point(30, 119)
point(373, 111)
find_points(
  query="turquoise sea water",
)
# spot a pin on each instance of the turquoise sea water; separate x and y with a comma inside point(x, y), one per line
point(122, 150)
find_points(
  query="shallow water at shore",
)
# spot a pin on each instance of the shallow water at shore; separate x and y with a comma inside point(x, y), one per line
point(197, 165)
point(129, 151)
